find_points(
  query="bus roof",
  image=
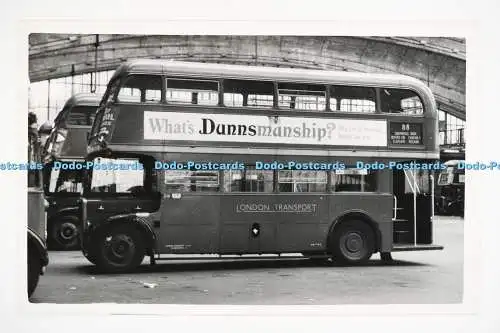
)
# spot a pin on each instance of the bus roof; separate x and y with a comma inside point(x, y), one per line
point(83, 99)
point(80, 99)
point(161, 66)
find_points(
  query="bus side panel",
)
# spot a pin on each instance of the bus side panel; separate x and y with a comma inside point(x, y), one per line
point(189, 224)
point(376, 206)
point(248, 223)
point(302, 225)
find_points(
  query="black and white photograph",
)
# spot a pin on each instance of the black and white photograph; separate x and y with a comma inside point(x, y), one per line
point(231, 166)
point(246, 169)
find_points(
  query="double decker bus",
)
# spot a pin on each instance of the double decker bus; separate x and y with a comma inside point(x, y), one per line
point(194, 158)
point(38, 257)
point(451, 182)
point(64, 150)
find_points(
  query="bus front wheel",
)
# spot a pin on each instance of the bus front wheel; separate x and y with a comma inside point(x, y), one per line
point(65, 234)
point(120, 248)
point(352, 242)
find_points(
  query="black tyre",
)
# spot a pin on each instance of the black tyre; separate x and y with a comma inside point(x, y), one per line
point(65, 233)
point(352, 242)
point(34, 270)
point(119, 249)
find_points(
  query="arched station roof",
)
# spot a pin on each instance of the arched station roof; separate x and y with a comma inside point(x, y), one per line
point(438, 62)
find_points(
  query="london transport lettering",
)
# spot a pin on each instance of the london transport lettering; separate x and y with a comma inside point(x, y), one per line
point(276, 208)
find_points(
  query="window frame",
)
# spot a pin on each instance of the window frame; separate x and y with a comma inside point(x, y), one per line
point(221, 101)
point(402, 114)
point(166, 78)
point(150, 177)
point(330, 96)
point(123, 80)
point(318, 85)
point(278, 183)
point(274, 99)
point(362, 183)
point(164, 185)
point(244, 180)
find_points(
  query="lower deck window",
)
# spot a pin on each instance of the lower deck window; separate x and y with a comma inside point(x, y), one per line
point(191, 181)
point(248, 180)
point(302, 181)
point(353, 180)
point(268, 181)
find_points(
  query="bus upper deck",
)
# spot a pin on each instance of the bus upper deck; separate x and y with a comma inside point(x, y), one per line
point(68, 138)
point(313, 111)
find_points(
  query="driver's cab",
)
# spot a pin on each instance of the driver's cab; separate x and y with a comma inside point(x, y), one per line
point(121, 183)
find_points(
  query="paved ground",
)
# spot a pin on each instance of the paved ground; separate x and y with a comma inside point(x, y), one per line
point(415, 277)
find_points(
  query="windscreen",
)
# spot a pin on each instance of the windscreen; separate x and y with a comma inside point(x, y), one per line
point(65, 181)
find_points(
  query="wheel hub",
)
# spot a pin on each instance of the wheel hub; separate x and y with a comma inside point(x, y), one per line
point(68, 231)
point(121, 247)
point(352, 245)
point(354, 242)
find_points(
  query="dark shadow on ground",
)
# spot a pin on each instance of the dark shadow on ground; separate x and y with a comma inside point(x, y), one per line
point(243, 264)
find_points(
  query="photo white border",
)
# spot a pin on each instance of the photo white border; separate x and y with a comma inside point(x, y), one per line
point(429, 21)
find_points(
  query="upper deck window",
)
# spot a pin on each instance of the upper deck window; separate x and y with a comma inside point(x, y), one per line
point(302, 96)
point(192, 91)
point(353, 99)
point(141, 89)
point(81, 115)
point(400, 101)
point(248, 93)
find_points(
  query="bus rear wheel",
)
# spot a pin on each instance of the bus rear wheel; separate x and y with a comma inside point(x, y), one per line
point(119, 249)
point(352, 242)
